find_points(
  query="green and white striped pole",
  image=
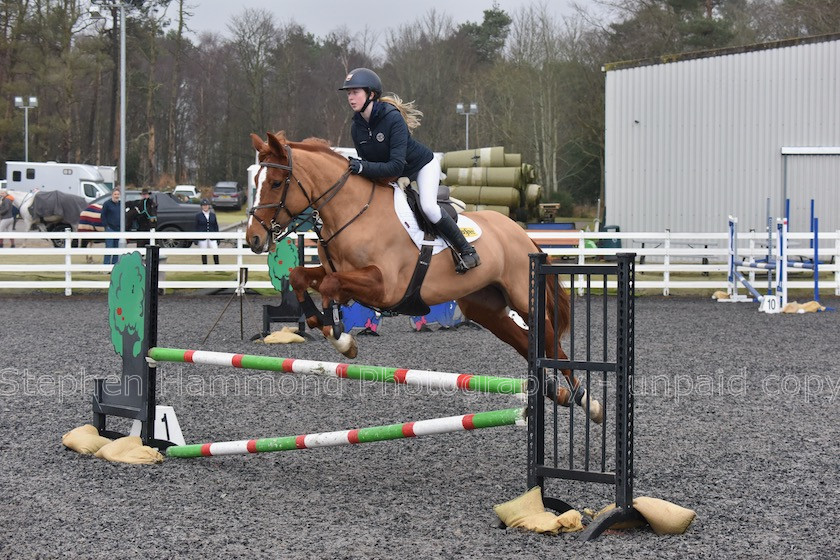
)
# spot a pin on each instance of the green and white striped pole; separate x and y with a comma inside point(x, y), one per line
point(461, 423)
point(423, 378)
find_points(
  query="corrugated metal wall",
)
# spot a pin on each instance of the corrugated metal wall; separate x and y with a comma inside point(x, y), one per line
point(689, 143)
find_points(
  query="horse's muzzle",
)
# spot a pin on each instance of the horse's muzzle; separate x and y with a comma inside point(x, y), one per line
point(256, 245)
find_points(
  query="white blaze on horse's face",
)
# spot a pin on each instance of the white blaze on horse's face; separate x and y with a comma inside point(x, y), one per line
point(260, 180)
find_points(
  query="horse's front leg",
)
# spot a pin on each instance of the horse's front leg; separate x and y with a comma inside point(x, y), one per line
point(365, 285)
point(303, 279)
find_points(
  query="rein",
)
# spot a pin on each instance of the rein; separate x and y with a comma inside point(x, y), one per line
point(145, 211)
point(274, 229)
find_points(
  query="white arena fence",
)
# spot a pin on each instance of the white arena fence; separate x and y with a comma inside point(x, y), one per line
point(671, 261)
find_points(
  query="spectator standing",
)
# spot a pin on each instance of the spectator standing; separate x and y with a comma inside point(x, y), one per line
point(111, 221)
point(205, 221)
point(7, 220)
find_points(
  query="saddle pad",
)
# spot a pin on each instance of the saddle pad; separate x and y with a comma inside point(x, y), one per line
point(468, 227)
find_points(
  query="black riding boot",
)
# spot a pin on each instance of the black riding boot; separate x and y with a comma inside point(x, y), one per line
point(467, 255)
point(216, 259)
point(203, 259)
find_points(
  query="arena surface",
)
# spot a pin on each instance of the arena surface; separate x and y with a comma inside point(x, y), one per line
point(736, 418)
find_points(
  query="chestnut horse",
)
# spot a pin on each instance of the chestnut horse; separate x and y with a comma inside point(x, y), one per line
point(371, 258)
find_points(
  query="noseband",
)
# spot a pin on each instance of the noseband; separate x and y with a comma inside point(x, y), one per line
point(273, 228)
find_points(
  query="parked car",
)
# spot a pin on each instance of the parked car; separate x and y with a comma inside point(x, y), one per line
point(228, 194)
point(172, 215)
point(187, 193)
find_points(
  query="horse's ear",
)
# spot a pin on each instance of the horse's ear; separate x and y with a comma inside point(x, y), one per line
point(276, 142)
point(258, 143)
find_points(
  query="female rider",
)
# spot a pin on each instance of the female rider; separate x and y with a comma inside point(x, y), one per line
point(381, 132)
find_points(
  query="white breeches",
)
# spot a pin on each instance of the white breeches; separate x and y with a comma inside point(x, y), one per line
point(428, 181)
point(208, 244)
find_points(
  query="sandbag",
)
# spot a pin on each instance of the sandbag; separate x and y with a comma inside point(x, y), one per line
point(285, 335)
point(129, 449)
point(528, 512)
point(807, 307)
point(665, 518)
point(84, 439)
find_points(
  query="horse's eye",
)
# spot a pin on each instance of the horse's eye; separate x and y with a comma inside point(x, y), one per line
point(276, 184)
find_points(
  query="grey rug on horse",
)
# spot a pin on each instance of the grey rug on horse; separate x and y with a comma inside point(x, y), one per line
point(56, 203)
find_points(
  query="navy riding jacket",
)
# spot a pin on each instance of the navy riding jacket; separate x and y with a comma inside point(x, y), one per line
point(203, 224)
point(385, 144)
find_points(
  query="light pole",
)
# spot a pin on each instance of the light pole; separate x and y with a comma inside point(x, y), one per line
point(96, 14)
point(459, 108)
point(30, 103)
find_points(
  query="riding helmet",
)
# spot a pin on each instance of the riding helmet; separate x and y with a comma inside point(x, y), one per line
point(363, 78)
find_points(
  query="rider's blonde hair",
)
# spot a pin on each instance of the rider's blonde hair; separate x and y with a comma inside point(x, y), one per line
point(410, 113)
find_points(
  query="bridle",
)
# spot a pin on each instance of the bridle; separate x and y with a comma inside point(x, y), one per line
point(274, 229)
point(144, 210)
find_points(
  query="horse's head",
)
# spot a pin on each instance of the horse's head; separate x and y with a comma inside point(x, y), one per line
point(143, 211)
point(280, 197)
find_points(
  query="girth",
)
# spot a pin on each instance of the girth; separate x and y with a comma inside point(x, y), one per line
point(411, 303)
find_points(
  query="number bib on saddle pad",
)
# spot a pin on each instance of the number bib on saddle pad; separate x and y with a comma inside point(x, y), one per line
point(468, 227)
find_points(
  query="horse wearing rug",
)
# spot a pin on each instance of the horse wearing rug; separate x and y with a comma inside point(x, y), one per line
point(369, 256)
point(142, 213)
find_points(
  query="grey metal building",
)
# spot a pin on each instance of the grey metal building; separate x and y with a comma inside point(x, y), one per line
point(693, 138)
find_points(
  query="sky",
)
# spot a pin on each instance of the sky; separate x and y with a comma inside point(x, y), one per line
point(320, 17)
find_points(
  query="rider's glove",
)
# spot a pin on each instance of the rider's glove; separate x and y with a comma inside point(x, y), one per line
point(355, 166)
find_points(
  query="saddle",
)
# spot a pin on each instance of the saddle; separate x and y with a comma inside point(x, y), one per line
point(411, 303)
point(443, 200)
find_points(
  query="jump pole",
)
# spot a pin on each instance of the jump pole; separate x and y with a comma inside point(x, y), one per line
point(462, 423)
point(422, 378)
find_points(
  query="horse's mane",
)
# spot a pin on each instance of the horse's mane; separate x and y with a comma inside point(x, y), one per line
point(311, 144)
point(315, 144)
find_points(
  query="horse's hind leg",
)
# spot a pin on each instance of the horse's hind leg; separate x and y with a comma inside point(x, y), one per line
point(580, 395)
point(488, 308)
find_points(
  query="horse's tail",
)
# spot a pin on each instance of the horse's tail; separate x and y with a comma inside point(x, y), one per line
point(561, 297)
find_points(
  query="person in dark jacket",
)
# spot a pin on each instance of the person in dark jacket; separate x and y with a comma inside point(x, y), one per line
point(7, 220)
point(205, 221)
point(111, 221)
point(381, 132)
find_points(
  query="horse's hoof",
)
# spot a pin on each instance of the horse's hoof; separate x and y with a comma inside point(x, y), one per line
point(596, 411)
point(345, 344)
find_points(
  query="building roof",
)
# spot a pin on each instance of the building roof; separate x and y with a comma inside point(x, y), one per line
point(669, 58)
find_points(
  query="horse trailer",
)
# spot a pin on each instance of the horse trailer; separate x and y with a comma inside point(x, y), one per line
point(70, 178)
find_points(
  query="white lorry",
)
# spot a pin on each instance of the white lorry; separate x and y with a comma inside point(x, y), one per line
point(70, 178)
